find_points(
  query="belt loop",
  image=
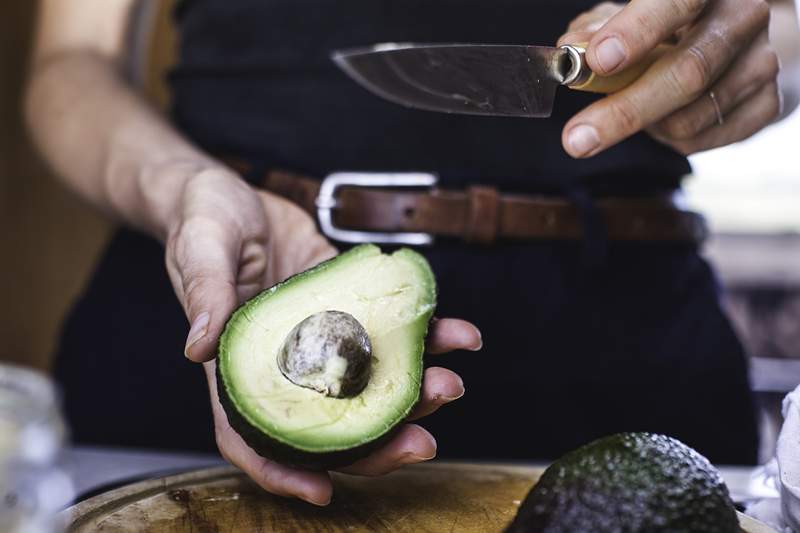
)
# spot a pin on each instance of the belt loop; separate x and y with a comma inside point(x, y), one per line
point(483, 215)
point(252, 171)
point(291, 187)
point(595, 229)
point(244, 168)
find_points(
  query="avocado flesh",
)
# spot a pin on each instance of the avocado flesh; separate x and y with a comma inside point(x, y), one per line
point(392, 296)
point(629, 482)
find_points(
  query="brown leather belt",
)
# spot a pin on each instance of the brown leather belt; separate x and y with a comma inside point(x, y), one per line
point(481, 214)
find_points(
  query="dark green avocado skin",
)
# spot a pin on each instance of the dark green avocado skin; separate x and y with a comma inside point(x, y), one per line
point(629, 482)
point(270, 448)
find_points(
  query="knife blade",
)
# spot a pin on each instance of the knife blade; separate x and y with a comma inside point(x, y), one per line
point(475, 79)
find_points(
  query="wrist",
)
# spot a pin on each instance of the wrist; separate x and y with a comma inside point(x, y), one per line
point(160, 189)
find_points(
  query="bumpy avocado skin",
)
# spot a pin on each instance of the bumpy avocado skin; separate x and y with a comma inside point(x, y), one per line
point(271, 448)
point(629, 482)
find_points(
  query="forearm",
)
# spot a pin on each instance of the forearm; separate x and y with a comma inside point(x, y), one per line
point(105, 142)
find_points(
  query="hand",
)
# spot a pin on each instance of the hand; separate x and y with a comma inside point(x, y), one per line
point(721, 47)
point(411, 444)
point(225, 243)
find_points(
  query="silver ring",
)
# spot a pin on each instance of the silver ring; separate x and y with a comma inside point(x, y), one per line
point(717, 110)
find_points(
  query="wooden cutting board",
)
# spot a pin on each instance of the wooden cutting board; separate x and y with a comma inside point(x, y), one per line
point(431, 497)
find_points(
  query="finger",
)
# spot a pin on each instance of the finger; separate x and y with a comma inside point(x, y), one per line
point(252, 270)
point(313, 487)
point(678, 78)
point(583, 27)
point(412, 444)
point(202, 260)
point(310, 486)
point(439, 386)
point(575, 37)
point(743, 122)
point(319, 250)
point(746, 76)
point(448, 334)
point(637, 29)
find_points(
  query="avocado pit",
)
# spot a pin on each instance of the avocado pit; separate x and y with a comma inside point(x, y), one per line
point(328, 352)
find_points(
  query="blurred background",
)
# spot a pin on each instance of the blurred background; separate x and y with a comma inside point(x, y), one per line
point(750, 191)
point(49, 240)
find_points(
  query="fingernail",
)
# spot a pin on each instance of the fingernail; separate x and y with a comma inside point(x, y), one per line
point(317, 502)
point(610, 53)
point(198, 331)
point(412, 458)
point(459, 394)
point(479, 345)
point(592, 27)
point(582, 140)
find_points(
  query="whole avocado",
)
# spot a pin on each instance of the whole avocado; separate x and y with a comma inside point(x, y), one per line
point(629, 482)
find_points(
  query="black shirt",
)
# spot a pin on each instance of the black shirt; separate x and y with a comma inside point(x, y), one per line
point(574, 348)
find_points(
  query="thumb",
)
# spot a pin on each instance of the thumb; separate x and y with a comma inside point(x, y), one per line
point(636, 30)
point(203, 266)
point(584, 26)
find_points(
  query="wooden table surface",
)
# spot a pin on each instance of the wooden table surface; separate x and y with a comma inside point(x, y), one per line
point(428, 497)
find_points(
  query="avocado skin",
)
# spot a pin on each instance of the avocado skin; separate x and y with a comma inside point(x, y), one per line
point(629, 482)
point(271, 448)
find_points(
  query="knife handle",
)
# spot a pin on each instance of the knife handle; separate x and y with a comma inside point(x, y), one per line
point(581, 78)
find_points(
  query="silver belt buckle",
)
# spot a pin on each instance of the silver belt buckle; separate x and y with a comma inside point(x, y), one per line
point(326, 203)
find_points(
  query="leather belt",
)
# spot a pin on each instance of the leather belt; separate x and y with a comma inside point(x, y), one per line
point(478, 214)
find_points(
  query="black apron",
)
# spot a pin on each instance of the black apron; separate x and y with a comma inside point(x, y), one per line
point(581, 339)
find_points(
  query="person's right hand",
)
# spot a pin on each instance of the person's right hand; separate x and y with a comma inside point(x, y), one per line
point(227, 241)
point(716, 86)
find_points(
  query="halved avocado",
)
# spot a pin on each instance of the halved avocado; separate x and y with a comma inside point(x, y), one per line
point(391, 296)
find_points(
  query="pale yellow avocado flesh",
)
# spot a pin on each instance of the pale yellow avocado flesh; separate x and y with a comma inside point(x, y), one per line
point(392, 296)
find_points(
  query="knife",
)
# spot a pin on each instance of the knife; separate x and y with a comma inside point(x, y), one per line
point(480, 79)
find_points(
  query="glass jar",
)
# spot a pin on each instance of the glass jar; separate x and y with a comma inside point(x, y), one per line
point(33, 485)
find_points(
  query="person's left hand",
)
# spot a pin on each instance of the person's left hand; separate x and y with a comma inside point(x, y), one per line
point(410, 444)
point(226, 242)
point(718, 85)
